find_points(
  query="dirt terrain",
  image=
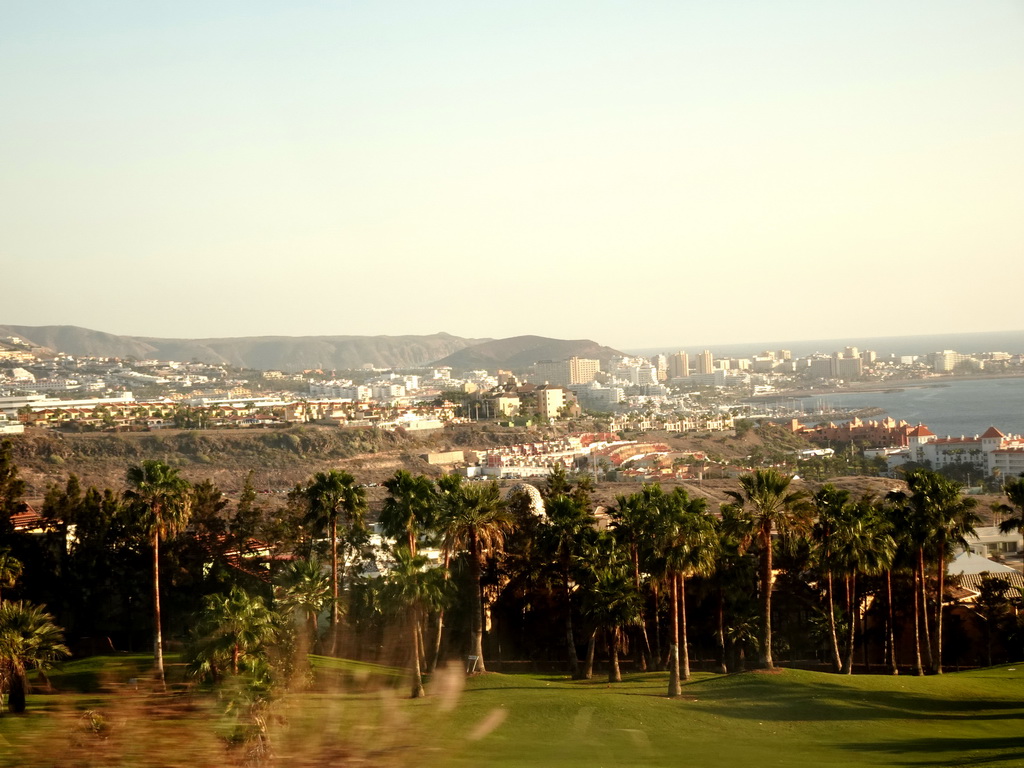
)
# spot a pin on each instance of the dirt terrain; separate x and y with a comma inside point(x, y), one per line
point(279, 459)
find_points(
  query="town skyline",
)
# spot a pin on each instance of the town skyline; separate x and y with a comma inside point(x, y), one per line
point(559, 379)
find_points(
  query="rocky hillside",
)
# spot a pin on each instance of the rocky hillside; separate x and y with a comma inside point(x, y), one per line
point(285, 353)
point(278, 459)
point(519, 352)
point(299, 353)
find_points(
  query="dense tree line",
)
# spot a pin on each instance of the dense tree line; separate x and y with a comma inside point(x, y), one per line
point(462, 573)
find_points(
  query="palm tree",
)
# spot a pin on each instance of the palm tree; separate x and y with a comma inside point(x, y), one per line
point(832, 507)
point(864, 546)
point(651, 499)
point(734, 571)
point(233, 632)
point(10, 570)
point(306, 589)
point(28, 640)
point(334, 497)
point(633, 523)
point(955, 520)
point(767, 503)
point(409, 509)
point(442, 495)
point(411, 587)
point(162, 501)
point(612, 602)
point(689, 545)
point(994, 609)
point(1014, 491)
point(474, 519)
point(567, 524)
point(940, 516)
point(888, 517)
point(910, 520)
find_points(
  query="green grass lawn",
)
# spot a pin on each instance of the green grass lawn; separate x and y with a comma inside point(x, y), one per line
point(791, 718)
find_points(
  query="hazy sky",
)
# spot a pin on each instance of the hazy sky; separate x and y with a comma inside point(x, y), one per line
point(638, 173)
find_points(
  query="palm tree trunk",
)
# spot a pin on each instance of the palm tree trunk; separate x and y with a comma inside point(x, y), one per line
point(421, 646)
point(988, 643)
point(17, 691)
point(658, 661)
point(723, 667)
point(334, 585)
point(918, 668)
point(766, 587)
point(588, 665)
point(570, 640)
point(158, 640)
point(477, 620)
point(314, 632)
point(865, 650)
point(940, 573)
point(614, 675)
point(641, 647)
point(925, 621)
point(684, 638)
point(891, 630)
point(643, 650)
point(437, 642)
point(836, 658)
point(851, 610)
point(440, 621)
point(674, 686)
point(414, 637)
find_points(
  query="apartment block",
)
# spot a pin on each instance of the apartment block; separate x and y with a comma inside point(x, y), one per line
point(678, 365)
point(705, 362)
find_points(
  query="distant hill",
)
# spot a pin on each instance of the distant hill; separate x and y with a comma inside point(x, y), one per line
point(285, 353)
point(519, 352)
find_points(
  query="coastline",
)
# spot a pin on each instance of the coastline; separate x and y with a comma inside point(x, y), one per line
point(896, 386)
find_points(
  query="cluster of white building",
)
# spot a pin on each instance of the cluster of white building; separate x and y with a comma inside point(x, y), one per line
point(69, 376)
point(992, 451)
point(764, 370)
point(530, 459)
point(384, 389)
point(539, 458)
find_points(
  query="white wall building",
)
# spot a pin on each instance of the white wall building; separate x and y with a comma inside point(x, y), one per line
point(550, 400)
point(990, 451)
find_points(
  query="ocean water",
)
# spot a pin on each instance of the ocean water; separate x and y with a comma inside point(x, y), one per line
point(948, 408)
point(1011, 342)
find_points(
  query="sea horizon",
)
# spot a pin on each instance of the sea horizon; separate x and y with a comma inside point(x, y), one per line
point(1011, 342)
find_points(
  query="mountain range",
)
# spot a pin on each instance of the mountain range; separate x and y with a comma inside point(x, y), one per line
point(299, 353)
